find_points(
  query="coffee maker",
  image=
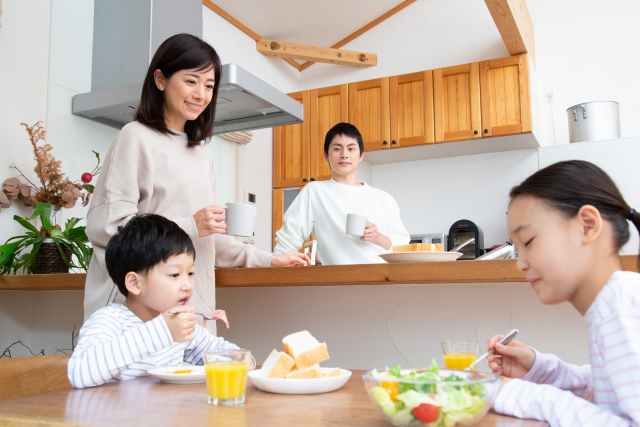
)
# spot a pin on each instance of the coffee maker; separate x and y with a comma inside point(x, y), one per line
point(462, 231)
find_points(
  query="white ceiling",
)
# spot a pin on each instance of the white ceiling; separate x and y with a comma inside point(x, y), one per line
point(314, 22)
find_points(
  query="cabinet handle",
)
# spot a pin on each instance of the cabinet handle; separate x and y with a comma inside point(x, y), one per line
point(394, 142)
point(486, 131)
point(312, 179)
point(384, 142)
point(475, 131)
point(304, 179)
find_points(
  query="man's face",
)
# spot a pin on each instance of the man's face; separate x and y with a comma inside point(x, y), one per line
point(344, 156)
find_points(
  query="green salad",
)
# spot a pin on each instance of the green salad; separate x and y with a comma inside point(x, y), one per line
point(428, 397)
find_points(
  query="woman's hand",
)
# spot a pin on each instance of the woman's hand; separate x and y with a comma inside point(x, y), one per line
point(210, 220)
point(373, 235)
point(290, 259)
point(513, 360)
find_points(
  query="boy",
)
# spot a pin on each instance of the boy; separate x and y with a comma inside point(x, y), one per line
point(151, 261)
point(322, 208)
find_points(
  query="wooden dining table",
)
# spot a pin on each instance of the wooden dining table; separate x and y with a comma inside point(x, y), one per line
point(148, 402)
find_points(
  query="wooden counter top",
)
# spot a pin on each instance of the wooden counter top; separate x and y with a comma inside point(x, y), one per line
point(455, 272)
point(147, 402)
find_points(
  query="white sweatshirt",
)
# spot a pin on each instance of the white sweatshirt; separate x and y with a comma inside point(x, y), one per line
point(115, 344)
point(555, 391)
point(322, 207)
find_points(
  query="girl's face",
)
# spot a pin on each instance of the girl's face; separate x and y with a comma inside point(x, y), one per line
point(551, 248)
point(186, 95)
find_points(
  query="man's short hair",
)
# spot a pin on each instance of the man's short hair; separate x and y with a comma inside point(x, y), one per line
point(345, 129)
point(144, 242)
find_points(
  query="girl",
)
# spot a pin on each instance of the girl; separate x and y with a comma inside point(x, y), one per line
point(568, 222)
point(159, 165)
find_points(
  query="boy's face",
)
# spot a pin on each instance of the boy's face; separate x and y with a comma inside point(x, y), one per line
point(344, 156)
point(166, 285)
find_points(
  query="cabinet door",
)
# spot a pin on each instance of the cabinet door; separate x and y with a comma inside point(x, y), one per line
point(504, 90)
point(412, 117)
point(457, 102)
point(369, 112)
point(328, 106)
point(277, 214)
point(291, 150)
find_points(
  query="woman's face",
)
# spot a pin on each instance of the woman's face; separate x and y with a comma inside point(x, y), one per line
point(186, 95)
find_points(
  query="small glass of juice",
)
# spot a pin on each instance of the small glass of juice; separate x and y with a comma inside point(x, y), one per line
point(226, 374)
point(459, 354)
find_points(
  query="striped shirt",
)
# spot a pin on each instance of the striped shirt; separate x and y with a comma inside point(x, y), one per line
point(558, 392)
point(114, 344)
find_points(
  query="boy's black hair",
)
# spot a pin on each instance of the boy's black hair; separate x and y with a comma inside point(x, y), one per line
point(345, 129)
point(569, 185)
point(144, 242)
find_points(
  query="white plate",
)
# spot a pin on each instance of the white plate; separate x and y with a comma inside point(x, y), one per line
point(299, 386)
point(168, 374)
point(421, 256)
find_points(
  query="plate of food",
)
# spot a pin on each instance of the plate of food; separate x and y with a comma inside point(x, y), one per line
point(181, 374)
point(297, 370)
point(419, 252)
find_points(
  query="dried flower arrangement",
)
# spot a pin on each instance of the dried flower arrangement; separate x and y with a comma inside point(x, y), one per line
point(55, 188)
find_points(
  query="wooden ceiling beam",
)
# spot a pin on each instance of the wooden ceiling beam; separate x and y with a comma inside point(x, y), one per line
point(360, 31)
point(327, 55)
point(514, 24)
point(242, 27)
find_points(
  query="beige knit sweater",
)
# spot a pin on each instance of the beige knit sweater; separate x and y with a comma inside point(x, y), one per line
point(148, 172)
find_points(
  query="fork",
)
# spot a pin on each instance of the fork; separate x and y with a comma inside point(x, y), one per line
point(217, 315)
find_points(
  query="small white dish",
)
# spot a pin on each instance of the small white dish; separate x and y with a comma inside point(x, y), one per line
point(299, 386)
point(420, 256)
point(173, 374)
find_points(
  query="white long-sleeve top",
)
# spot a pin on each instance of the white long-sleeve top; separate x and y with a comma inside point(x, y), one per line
point(322, 207)
point(555, 391)
point(145, 171)
point(115, 344)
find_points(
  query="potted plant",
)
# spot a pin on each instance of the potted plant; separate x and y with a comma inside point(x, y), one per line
point(46, 247)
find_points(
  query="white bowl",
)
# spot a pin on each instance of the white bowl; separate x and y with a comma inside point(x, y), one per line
point(299, 385)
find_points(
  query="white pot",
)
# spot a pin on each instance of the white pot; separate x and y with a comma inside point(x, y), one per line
point(594, 121)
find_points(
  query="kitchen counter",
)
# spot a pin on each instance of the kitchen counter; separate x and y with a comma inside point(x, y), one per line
point(146, 402)
point(455, 272)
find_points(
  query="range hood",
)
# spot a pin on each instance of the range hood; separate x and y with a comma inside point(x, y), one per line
point(125, 36)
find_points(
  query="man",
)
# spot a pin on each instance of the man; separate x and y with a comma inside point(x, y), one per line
point(322, 207)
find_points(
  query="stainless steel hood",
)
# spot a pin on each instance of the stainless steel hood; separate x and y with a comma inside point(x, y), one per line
point(127, 33)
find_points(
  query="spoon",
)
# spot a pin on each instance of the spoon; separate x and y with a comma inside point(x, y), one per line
point(462, 245)
point(504, 341)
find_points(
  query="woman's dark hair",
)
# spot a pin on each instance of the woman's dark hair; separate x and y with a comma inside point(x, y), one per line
point(345, 129)
point(144, 242)
point(569, 185)
point(179, 52)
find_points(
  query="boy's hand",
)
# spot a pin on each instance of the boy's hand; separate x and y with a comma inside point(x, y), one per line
point(181, 321)
point(210, 220)
point(513, 360)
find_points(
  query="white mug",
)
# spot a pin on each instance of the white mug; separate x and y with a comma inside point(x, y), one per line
point(240, 219)
point(356, 224)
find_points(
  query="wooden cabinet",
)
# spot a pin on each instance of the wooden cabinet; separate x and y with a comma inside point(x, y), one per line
point(327, 107)
point(411, 114)
point(277, 213)
point(457, 102)
point(504, 89)
point(291, 150)
point(369, 112)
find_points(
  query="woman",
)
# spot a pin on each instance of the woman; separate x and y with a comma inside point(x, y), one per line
point(159, 165)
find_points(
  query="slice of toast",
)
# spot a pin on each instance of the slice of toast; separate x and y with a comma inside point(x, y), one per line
point(310, 372)
point(278, 364)
point(305, 349)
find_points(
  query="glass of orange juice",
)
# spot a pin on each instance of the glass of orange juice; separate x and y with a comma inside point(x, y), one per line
point(226, 374)
point(459, 354)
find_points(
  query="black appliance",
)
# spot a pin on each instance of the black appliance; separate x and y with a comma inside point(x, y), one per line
point(460, 232)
